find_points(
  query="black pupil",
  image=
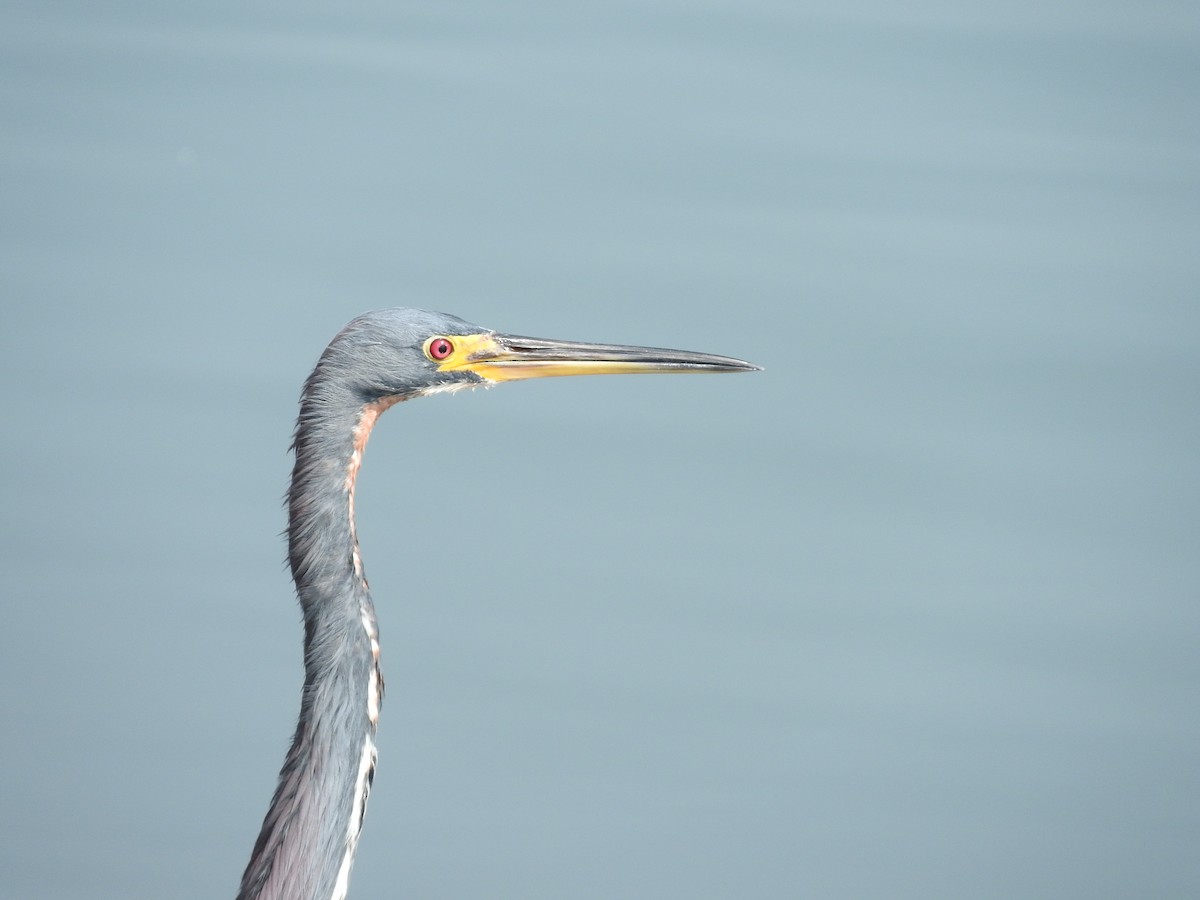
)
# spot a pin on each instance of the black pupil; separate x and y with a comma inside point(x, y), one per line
point(441, 348)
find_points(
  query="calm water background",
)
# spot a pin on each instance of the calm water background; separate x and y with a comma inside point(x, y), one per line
point(912, 613)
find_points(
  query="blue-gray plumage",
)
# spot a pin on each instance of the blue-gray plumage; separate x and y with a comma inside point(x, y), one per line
point(306, 846)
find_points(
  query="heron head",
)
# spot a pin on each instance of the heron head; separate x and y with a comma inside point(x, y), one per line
point(402, 353)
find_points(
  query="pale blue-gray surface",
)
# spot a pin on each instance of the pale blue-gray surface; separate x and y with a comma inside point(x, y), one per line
point(912, 613)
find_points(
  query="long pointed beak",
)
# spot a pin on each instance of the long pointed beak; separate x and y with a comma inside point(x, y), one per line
point(507, 357)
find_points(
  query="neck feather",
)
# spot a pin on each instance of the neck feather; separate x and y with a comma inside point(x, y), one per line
point(307, 843)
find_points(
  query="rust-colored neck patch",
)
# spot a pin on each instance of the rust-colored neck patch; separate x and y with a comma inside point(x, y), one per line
point(362, 432)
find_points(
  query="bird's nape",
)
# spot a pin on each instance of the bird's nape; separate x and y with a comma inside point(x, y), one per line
point(306, 845)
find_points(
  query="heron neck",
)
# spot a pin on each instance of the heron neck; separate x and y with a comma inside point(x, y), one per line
point(322, 541)
point(308, 839)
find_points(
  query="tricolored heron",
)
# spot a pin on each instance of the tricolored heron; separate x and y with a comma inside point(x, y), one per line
point(307, 842)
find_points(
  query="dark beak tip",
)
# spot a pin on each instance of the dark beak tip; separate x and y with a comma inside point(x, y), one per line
point(740, 365)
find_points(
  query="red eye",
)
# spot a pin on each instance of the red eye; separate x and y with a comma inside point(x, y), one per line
point(440, 348)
